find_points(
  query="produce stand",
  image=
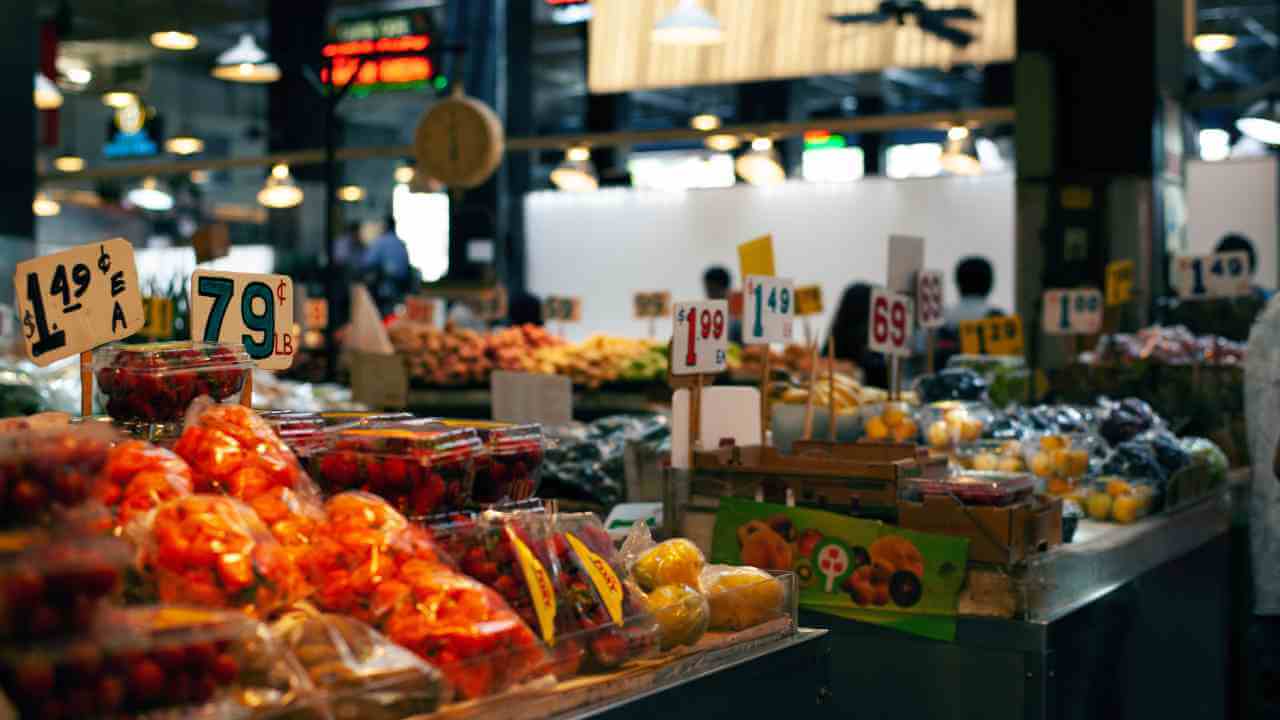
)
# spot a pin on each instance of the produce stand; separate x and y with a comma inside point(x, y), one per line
point(476, 403)
point(1127, 621)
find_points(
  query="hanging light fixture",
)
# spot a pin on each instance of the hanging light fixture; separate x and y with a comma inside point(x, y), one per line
point(150, 195)
point(175, 40)
point(68, 162)
point(351, 193)
point(760, 165)
point(959, 157)
point(403, 174)
point(45, 206)
point(576, 173)
point(722, 142)
point(706, 122)
point(1262, 122)
point(184, 143)
point(1213, 42)
point(119, 98)
point(688, 24)
point(280, 191)
point(246, 62)
point(47, 95)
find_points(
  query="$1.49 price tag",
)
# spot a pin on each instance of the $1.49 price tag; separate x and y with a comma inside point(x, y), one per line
point(1072, 312)
point(929, 298)
point(1219, 275)
point(76, 300)
point(892, 322)
point(768, 310)
point(700, 343)
point(254, 310)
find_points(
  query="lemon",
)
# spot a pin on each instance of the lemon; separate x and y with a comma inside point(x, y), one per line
point(876, 429)
point(1099, 506)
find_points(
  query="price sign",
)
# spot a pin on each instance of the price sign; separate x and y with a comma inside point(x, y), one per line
point(1119, 282)
point(1219, 275)
point(1072, 312)
point(561, 309)
point(756, 256)
point(892, 322)
point(159, 314)
point(652, 304)
point(700, 343)
point(906, 258)
point(768, 310)
point(809, 300)
point(420, 309)
point(929, 298)
point(253, 310)
point(492, 305)
point(78, 299)
point(316, 312)
point(992, 336)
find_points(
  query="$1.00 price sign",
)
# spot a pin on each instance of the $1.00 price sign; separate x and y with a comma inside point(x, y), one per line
point(892, 321)
point(929, 298)
point(1218, 275)
point(992, 336)
point(76, 300)
point(768, 310)
point(1072, 312)
point(700, 343)
point(253, 310)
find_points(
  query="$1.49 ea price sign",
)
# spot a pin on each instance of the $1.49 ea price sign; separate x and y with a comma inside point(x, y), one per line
point(700, 343)
point(892, 321)
point(253, 310)
point(768, 310)
point(75, 300)
point(1072, 312)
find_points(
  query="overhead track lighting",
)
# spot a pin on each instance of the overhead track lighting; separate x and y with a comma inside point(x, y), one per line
point(576, 173)
point(1213, 42)
point(761, 165)
point(68, 162)
point(175, 40)
point(959, 156)
point(150, 195)
point(688, 24)
point(722, 142)
point(280, 191)
point(706, 122)
point(45, 206)
point(246, 62)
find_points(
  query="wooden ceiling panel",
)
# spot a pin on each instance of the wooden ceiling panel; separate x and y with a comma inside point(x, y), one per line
point(775, 39)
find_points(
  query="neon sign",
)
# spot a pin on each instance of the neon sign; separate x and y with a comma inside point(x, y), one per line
point(386, 35)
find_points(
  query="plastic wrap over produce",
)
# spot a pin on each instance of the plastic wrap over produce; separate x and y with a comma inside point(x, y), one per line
point(586, 462)
point(1262, 409)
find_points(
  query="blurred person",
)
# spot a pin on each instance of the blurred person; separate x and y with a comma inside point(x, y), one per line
point(717, 282)
point(1235, 242)
point(1230, 318)
point(386, 269)
point(974, 279)
point(344, 270)
point(849, 333)
point(525, 309)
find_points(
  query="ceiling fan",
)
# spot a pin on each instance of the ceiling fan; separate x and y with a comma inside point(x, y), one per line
point(927, 19)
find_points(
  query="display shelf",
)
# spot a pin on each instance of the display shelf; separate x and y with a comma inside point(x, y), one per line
point(476, 403)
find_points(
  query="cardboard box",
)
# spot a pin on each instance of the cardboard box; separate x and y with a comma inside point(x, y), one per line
point(379, 381)
point(1001, 535)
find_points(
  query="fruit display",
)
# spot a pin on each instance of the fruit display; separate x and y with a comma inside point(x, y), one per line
point(421, 470)
point(952, 384)
point(45, 472)
point(672, 562)
point(512, 469)
point(1167, 345)
point(602, 359)
point(748, 362)
point(1060, 461)
point(453, 357)
point(587, 462)
point(741, 597)
point(139, 476)
point(1017, 422)
point(53, 589)
point(990, 456)
point(213, 551)
point(949, 423)
point(682, 614)
point(894, 423)
point(155, 383)
point(849, 393)
point(973, 488)
point(303, 432)
point(1115, 499)
point(1127, 419)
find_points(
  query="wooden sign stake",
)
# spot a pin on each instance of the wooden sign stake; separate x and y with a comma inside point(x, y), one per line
point(653, 327)
point(931, 341)
point(831, 388)
point(86, 383)
point(246, 393)
point(895, 385)
point(764, 395)
point(695, 415)
point(813, 387)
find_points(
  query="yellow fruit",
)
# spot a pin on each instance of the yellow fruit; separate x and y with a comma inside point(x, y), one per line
point(1117, 487)
point(1011, 447)
point(1099, 506)
point(906, 431)
point(1010, 464)
point(1125, 508)
point(938, 435)
point(1077, 462)
point(1042, 464)
point(1060, 461)
point(985, 462)
point(876, 429)
point(741, 597)
point(893, 414)
point(1059, 486)
point(682, 614)
point(1053, 442)
point(971, 429)
point(673, 562)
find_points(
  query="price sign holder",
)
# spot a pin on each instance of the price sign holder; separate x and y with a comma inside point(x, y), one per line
point(250, 308)
point(561, 310)
point(929, 310)
point(708, 320)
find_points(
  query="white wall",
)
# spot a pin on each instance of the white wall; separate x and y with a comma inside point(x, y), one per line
point(1235, 196)
point(605, 246)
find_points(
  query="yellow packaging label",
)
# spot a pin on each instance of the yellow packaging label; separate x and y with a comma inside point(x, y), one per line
point(540, 590)
point(756, 256)
point(602, 576)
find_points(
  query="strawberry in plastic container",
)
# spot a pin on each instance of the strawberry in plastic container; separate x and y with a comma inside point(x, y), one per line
point(139, 476)
point(156, 383)
point(54, 588)
point(45, 472)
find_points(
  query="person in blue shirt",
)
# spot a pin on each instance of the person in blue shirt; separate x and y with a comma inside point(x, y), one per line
point(386, 269)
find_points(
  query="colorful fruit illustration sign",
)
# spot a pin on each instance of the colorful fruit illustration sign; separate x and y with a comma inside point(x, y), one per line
point(833, 562)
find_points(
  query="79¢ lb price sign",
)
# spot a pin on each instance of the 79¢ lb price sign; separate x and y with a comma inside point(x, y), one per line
point(700, 343)
point(253, 310)
point(75, 300)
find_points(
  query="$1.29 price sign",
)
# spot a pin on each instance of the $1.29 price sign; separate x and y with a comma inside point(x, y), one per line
point(700, 343)
point(992, 336)
point(892, 321)
point(1212, 276)
point(929, 298)
point(1072, 312)
point(76, 300)
point(768, 310)
point(244, 308)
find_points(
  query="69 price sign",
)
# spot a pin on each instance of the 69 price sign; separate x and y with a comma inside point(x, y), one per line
point(892, 323)
point(700, 343)
point(244, 308)
point(768, 310)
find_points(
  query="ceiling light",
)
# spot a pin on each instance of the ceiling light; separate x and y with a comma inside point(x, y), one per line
point(119, 98)
point(73, 71)
point(1215, 144)
point(957, 133)
point(1261, 122)
point(280, 191)
point(706, 122)
point(760, 165)
point(68, 163)
point(150, 195)
point(47, 95)
point(959, 157)
point(404, 174)
point(688, 24)
point(246, 62)
point(174, 40)
point(722, 142)
point(45, 206)
point(576, 173)
point(1213, 42)
point(199, 177)
point(184, 144)
point(351, 193)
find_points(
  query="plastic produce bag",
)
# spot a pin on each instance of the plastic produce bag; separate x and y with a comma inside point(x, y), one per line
point(213, 551)
point(671, 562)
point(43, 473)
point(742, 597)
point(682, 614)
point(1206, 451)
point(54, 587)
point(138, 477)
point(951, 384)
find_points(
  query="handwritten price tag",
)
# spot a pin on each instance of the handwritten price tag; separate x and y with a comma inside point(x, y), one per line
point(1072, 312)
point(254, 310)
point(700, 343)
point(992, 336)
point(809, 300)
point(562, 309)
point(78, 299)
point(1220, 275)
point(652, 304)
point(929, 298)
point(892, 321)
point(768, 310)
point(1119, 282)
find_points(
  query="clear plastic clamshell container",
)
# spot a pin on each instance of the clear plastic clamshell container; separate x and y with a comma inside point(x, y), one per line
point(950, 423)
point(514, 467)
point(973, 488)
point(155, 383)
point(991, 456)
point(54, 588)
point(305, 433)
point(420, 471)
point(45, 472)
point(1059, 460)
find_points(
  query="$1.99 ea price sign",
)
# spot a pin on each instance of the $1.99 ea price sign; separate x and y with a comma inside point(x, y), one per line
point(700, 343)
point(768, 310)
point(1072, 312)
point(892, 321)
point(253, 310)
point(76, 300)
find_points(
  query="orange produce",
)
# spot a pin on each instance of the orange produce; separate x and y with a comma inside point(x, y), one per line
point(139, 476)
